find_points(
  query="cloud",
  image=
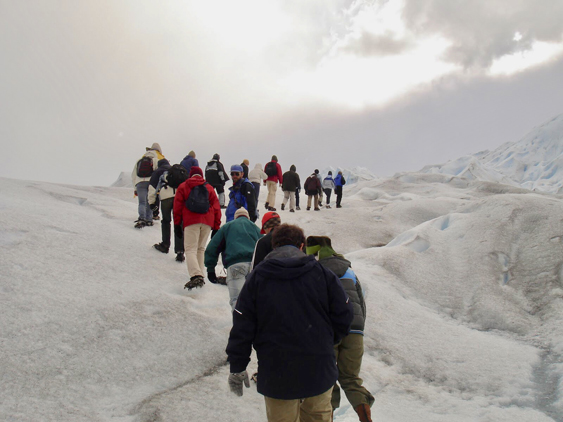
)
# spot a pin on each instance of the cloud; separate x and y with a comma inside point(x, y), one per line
point(372, 45)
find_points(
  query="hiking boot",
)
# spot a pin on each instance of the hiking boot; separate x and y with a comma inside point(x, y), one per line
point(308, 208)
point(149, 223)
point(282, 207)
point(222, 280)
point(291, 210)
point(195, 281)
point(317, 209)
point(156, 217)
point(161, 248)
point(327, 206)
point(267, 205)
point(139, 224)
point(272, 209)
point(180, 257)
point(254, 377)
point(364, 412)
point(298, 209)
point(339, 206)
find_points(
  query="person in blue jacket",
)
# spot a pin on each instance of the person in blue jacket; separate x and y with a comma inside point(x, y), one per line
point(189, 161)
point(292, 310)
point(350, 350)
point(339, 181)
point(241, 195)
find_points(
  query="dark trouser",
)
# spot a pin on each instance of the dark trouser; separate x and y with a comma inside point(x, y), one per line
point(338, 192)
point(327, 193)
point(297, 197)
point(256, 191)
point(166, 207)
point(320, 196)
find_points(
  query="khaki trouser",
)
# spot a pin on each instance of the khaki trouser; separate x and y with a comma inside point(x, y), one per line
point(272, 189)
point(311, 409)
point(195, 240)
point(316, 196)
point(291, 196)
point(349, 353)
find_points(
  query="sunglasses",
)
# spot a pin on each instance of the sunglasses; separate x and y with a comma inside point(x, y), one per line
point(235, 173)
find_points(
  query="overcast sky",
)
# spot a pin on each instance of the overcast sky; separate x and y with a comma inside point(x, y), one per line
point(390, 85)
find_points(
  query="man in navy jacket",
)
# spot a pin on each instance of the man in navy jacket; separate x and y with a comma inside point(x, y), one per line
point(293, 311)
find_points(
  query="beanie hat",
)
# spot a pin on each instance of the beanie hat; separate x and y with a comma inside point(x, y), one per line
point(320, 244)
point(330, 173)
point(155, 146)
point(216, 157)
point(236, 167)
point(191, 154)
point(270, 219)
point(245, 161)
point(195, 170)
point(316, 171)
point(274, 158)
point(292, 168)
point(241, 212)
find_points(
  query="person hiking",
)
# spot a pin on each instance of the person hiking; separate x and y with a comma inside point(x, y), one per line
point(321, 187)
point(274, 172)
point(270, 221)
point(235, 242)
point(256, 176)
point(216, 176)
point(165, 193)
point(339, 182)
point(153, 198)
point(312, 186)
point(241, 194)
point(291, 310)
point(244, 166)
point(350, 350)
point(328, 186)
point(140, 177)
point(289, 186)
point(189, 161)
point(194, 224)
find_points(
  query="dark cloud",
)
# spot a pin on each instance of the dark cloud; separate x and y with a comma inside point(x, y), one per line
point(483, 30)
point(372, 45)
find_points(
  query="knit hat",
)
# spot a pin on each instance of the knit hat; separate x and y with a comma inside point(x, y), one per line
point(330, 173)
point(245, 161)
point(274, 158)
point(316, 171)
point(155, 146)
point(241, 212)
point(216, 157)
point(320, 244)
point(270, 219)
point(293, 168)
point(195, 170)
point(236, 167)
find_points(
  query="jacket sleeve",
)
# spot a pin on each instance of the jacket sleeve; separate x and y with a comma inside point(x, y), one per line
point(152, 195)
point(179, 200)
point(250, 196)
point(341, 310)
point(280, 174)
point(213, 249)
point(214, 202)
point(243, 332)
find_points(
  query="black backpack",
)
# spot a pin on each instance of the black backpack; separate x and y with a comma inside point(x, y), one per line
point(271, 169)
point(144, 167)
point(177, 174)
point(198, 199)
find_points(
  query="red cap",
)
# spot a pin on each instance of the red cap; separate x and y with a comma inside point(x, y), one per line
point(267, 217)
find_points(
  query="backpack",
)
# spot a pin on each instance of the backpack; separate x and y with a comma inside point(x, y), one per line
point(271, 169)
point(198, 199)
point(177, 175)
point(144, 167)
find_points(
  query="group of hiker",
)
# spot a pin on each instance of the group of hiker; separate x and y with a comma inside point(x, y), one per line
point(293, 298)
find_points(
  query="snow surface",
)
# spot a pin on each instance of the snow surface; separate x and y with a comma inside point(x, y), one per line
point(464, 290)
point(535, 162)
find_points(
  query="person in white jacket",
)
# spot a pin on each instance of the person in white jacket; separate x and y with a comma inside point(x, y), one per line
point(256, 176)
point(141, 177)
point(328, 186)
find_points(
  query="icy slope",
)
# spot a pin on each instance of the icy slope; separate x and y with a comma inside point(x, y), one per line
point(535, 162)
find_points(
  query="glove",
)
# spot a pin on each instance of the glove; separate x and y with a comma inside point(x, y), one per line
point(212, 277)
point(178, 232)
point(236, 380)
point(135, 193)
point(213, 233)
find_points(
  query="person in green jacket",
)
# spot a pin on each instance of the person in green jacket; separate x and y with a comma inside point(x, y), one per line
point(235, 241)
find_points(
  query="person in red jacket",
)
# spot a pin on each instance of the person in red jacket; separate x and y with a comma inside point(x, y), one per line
point(195, 227)
point(274, 172)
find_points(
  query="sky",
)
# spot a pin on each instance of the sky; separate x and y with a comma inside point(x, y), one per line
point(390, 86)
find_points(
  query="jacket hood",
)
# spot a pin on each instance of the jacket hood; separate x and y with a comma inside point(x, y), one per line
point(286, 263)
point(337, 264)
point(292, 168)
point(195, 181)
point(258, 166)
